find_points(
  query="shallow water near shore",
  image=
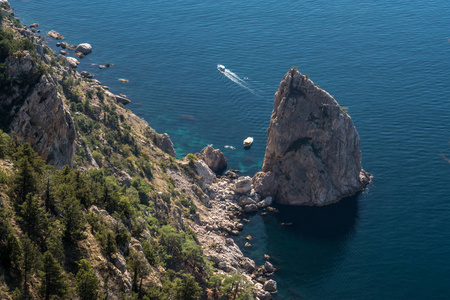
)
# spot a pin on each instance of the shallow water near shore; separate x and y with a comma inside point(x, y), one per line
point(387, 61)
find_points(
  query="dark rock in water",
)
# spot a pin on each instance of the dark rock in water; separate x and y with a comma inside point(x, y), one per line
point(214, 158)
point(64, 45)
point(34, 25)
point(79, 54)
point(269, 267)
point(313, 154)
point(270, 286)
point(71, 47)
point(63, 52)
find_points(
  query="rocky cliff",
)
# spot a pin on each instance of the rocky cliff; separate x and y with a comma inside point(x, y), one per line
point(313, 154)
point(38, 113)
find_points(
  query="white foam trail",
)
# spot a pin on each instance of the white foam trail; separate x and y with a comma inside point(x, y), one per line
point(236, 79)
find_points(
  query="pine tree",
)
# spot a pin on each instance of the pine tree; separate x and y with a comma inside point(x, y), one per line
point(139, 267)
point(30, 262)
point(32, 215)
point(73, 219)
point(24, 181)
point(187, 288)
point(86, 280)
point(53, 278)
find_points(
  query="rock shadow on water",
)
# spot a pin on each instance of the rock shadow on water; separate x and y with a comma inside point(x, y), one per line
point(334, 221)
point(311, 248)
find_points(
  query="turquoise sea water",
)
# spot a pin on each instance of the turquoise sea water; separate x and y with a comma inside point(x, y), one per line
point(387, 61)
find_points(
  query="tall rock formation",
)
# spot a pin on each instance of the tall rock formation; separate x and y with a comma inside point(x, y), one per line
point(313, 154)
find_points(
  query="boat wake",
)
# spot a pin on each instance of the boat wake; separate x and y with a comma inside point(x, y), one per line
point(236, 79)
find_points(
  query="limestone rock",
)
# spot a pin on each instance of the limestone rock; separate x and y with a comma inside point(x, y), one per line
point(41, 119)
point(122, 100)
point(243, 185)
point(313, 154)
point(266, 202)
point(206, 174)
point(54, 34)
point(72, 61)
point(84, 48)
point(250, 208)
point(214, 158)
point(165, 144)
point(244, 200)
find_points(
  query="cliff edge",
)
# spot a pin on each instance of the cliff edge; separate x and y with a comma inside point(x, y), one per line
point(313, 154)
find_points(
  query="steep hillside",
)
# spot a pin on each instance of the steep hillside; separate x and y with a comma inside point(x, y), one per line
point(102, 209)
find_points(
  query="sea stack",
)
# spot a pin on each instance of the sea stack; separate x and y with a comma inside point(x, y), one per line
point(313, 154)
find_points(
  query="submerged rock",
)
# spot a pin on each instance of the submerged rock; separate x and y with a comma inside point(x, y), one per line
point(313, 154)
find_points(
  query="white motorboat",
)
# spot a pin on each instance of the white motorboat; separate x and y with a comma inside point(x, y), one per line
point(221, 68)
point(248, 142)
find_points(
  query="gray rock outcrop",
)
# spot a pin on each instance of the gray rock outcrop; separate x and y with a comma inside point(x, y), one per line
point(38, 114)
point(164, 142)
point(313, 154)
point(214, 158)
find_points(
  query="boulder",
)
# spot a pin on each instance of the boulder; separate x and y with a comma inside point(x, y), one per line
point(63, 52)
point(270, 286)
point(243, 185)
point(266, 202)
point(214, 158)
point(54, 34)
point(248, 265)
point(34, 25)
point(313, 154)
point(250, 208)
point(244, 200)
point(72, 61)
point(206, 174)
point(71, 47)
point(84, 48)
point(122, 100)
point(269, 267)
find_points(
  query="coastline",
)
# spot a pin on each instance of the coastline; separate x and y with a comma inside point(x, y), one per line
point(217, 220)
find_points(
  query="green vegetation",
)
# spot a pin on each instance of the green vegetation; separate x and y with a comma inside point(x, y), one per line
point(64, 234)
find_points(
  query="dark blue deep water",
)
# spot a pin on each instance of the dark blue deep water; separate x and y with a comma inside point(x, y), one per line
point(388, 61)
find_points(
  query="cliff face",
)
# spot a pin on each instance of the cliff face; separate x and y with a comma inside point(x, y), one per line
point(313, 154)
point(38, 114)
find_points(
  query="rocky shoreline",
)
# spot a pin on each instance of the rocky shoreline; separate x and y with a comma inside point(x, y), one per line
point(222, 200)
